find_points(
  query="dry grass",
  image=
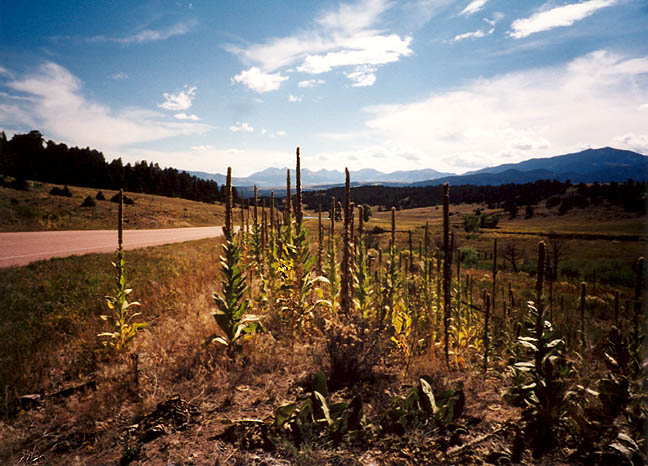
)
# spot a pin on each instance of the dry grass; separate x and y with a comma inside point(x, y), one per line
point(51, 334)
point(37, 210)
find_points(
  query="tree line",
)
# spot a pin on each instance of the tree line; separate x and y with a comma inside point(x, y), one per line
point(630, 195)
point(28, 156)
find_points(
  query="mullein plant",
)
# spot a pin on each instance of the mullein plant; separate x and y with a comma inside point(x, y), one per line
point(447, 271)
point(362, 275)
point(331, 263)
point(391, 279)
point(346, 301)
point(121, 316)
point(540, 384)
point(300, 295)
point(231, 302)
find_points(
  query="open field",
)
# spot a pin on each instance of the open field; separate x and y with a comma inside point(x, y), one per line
point(37, 210)
point(99, 407)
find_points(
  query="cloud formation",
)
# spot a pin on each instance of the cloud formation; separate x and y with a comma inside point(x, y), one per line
point(473, 7)
point(363, 76)
point(241, 127)
point(119, 76)
point(473, 35)
point(51, 99)
point(515, 116)
point(148, 35)
point(179, 101)
point(344, 37)
point(310, 83)
point(184, 116)
point(560, 16)
point(259, 81)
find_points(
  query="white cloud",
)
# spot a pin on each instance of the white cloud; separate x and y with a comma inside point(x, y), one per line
point(473, 7)
point(148, 35)
point(497, 17)
point(281, 133)
point(363, 76)
point(119, 76)
point(202, 148)
point(294, 98)
point(184, 116)
point(180, 101)
point(472, 35)
point(376, 50)
point(310, 83)
point(339, 38)
point(263, 131)
point(259, 81)
point(4, 71)
point(560, 16)
point(54, 103)
point(635, 142)
point(532, 113)
point(241, 127)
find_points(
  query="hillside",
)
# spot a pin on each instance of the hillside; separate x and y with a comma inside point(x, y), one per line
point(35, 209)
point(602, 165)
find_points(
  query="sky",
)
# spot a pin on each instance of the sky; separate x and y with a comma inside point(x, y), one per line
point(453, 85)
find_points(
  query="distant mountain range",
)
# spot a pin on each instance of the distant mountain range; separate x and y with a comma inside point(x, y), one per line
point(602, 165)
point(276, 177)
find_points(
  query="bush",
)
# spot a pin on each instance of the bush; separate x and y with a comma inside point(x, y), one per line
point(355, 349)
point(65, 191)
point(469, 257)
point(100, 196)
point(127, 200)
point(88, 202)
point(488, 221)
point(366, 212)
point(553, 201)
point(471, 223)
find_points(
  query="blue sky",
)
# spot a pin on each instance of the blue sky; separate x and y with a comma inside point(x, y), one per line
point(391, 85)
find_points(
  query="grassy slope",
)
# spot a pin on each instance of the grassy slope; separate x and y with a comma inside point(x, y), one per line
point(36, 210)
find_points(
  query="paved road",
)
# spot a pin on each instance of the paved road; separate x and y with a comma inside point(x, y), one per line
point(23, 248)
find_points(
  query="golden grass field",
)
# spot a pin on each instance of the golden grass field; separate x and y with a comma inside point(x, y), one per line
point(37, 210)
point(49, 321)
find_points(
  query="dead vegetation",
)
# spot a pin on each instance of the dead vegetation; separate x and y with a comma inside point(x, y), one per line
point(319, 383)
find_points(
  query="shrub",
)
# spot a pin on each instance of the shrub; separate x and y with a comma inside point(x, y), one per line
point(366, 212)
point(88, 202)
point(354, 349)
point(471, 223)
point(553, 201)
point(65, 191)
point(469, 257)
point(488, 221)
point(127, 200)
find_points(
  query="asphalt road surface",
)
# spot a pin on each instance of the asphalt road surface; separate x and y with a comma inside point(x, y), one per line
point(23, 248)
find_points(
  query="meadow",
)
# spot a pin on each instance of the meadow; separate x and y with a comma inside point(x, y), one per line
point(36, 209)
point(401, 340)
